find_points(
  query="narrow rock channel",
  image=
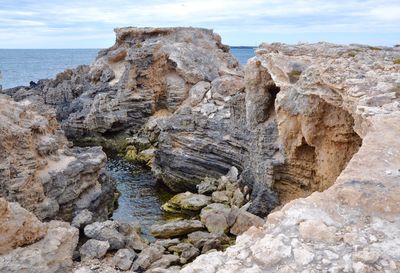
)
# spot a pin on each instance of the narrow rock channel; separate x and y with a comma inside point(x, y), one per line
point(141, 196)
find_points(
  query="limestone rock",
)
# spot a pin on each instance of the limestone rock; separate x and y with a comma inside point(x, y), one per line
point(330, 97)
point(82, 219)
point(119, 235)
point(39, 170)
point(18, 227)
point(215, 218)
point(186, 201)
point(94, 249)
point(165, 261)
point(147, 257)
point(50, 255)
point(176, 228)
point(243, 220)
point(112, 95)
point(124, 258)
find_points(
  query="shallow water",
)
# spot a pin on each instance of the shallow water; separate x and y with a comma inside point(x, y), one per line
point(141, 195)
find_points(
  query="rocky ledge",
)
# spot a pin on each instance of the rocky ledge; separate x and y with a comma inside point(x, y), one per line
point(353, 226)
point(40, 171)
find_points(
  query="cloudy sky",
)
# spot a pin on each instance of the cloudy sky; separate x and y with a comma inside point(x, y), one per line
point(89, 24)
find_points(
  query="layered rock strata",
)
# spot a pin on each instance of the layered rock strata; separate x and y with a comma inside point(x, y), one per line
point(330, 97)
point(41, 172)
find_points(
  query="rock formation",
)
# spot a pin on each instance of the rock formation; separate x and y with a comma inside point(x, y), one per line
point(330, 97)
point(312, 127)
point(28, 245)
point(39, 170)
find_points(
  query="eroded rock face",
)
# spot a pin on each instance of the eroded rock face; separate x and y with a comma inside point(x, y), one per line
point(52, 254)
point(330, 97)
point(40, 171)
point(18, 227)
point(148, 69)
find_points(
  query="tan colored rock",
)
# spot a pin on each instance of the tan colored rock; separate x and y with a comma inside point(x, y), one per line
point(52, 254)
point(330, 98)
point(18, 227)
point(39, 170)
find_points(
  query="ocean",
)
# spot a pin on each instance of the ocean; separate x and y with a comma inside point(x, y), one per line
point(20, 66)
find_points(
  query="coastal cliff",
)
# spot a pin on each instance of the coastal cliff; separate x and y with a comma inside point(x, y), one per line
point(303, 134)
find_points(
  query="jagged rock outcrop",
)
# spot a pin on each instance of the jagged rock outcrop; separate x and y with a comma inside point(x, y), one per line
point(28, 245)
point(330, 98)
point(39, 170)
point(18, 227)
point(147, 70)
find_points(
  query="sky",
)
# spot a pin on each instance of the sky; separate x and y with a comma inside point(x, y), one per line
point(90, 24)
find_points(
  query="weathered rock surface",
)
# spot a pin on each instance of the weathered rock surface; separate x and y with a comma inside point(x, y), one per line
point(124, 258)
point(119, 235)
point(39, 170)
point(331, 96)
point(18, 227)
point(52, 254)
point(176, 228)
point(94, 249)
point(148, 69)
point(186, 201)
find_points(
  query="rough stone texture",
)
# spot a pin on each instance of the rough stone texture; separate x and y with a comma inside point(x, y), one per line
point(353, 226)
point(147, 257)
point(176, 228)
point(186, 201)
point(124, 258)
point(93, 249)
point(119, 235)
point(18, 227)
point(52, 254)
point(215, 218)
point(148, 69)
point(39, 171)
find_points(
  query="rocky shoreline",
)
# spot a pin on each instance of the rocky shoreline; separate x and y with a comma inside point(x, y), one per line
point(303, 123)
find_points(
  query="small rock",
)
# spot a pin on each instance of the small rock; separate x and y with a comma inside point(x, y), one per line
point(197, 92)
point(176, 228)
point(302, 256)
point(233, 174)
point(214, 217)
point(366, 256)
point(94, 249)
point(243, 220)
point(187, 252)
point(221, 197)
point(186, 201)
point(207, 186)
point(166, 243)
point(200, 238)
point(147, 257)
point(166, 261)
point(237, 199)
point(359, 267)
point(124, 258)
point(83, 218)
point(106, 231)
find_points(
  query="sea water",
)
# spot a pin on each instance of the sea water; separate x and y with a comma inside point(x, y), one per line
point(20, 66)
